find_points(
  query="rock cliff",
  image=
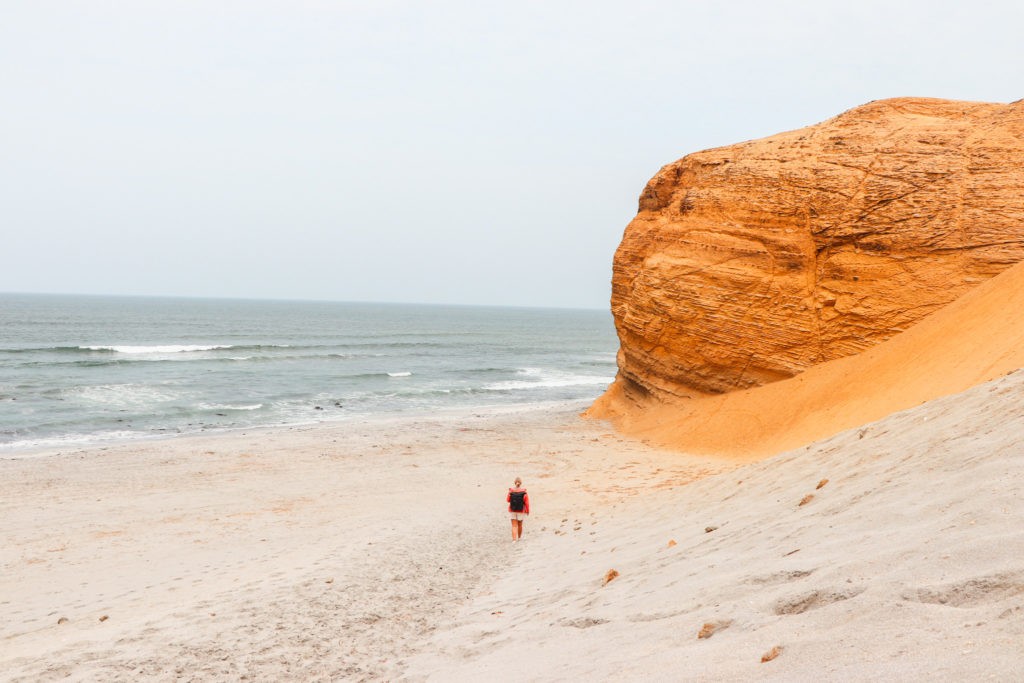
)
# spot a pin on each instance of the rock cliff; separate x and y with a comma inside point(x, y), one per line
point(750, 263)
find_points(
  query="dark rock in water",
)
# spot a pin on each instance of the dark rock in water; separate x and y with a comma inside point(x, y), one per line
point(317, 408)
point(221, 414)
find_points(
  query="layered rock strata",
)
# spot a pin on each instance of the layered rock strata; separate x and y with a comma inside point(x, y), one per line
point(749, 263)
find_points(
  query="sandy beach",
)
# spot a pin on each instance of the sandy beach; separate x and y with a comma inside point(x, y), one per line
point(312, 553)
point(380, 550)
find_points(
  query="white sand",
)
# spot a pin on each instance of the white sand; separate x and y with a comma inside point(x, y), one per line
point(381, 551)
point(323, 553)
point(908, 565)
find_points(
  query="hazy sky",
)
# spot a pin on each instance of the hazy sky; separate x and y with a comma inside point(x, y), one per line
point(452, 152)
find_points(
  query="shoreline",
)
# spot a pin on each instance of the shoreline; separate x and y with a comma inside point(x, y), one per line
point(87, 443)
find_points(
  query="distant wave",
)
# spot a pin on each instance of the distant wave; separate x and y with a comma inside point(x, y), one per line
point(361, 349)
point(170, 348)
point(399, 374)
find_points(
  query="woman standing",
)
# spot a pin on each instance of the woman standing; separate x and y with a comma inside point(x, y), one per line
point(518, 508)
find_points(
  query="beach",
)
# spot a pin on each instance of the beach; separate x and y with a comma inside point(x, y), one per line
point(308, 553)
point(380, 550)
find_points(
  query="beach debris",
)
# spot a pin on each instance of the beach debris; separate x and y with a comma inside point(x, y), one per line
point(317, 407)
point(104, 617)
point(792, 552)
point(806, 499)
point(771, 654)
point(328, 580)
point(709, 529)
point(820, 484)
point(711, 627)
point(62, 620)
point(610, 576)
point(671, 542)
point(583, 622)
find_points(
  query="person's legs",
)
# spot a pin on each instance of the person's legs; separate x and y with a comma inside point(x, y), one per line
point(514, 523)
point(519, 528)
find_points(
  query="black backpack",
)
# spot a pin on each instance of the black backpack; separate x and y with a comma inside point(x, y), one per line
point(516, 500)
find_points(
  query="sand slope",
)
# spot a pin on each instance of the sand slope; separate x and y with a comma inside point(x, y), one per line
point(975, 339)
point(907, 565)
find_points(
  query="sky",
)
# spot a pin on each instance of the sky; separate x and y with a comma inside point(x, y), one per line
point(426, 152)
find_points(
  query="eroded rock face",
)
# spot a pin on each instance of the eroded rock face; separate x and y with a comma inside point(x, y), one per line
point(747, 264)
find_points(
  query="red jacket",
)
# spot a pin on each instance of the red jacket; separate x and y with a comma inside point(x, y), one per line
point(526, 500)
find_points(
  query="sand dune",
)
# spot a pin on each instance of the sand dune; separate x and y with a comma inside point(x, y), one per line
point(975, 339)
point(905, 562)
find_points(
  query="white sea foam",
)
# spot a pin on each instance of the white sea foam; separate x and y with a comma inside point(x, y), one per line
point(170, 348)
point(120, 395)
point(399, 374)
point(553, 380)
point(227, 406)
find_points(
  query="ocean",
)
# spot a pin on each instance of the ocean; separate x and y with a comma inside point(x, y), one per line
point(82, 370)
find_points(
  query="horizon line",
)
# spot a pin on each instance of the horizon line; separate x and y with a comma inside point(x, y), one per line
point(303, 300)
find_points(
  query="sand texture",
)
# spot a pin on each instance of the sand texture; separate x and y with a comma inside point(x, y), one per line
point(890, 552)
point(381, 551)
point(327, 553)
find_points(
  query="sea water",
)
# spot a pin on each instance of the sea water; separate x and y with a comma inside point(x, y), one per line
point(81, 369)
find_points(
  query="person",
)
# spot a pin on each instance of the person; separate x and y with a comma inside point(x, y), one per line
point(518, 508)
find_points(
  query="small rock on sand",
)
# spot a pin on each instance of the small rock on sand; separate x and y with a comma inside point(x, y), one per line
point(821, 483)
point(712, 627)
point(771, 654)
point(806, 499)
point(610, 576)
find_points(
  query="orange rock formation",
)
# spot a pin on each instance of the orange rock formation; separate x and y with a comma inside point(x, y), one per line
point(750, 263)
point(978, 337)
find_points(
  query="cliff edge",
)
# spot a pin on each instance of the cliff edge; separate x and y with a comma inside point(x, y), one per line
point(749, 264)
